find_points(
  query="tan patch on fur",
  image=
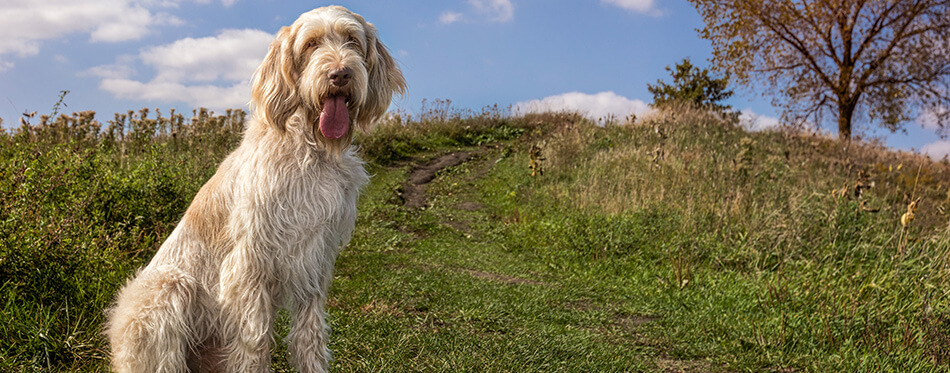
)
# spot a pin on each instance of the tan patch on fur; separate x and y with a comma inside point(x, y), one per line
point(208, 213)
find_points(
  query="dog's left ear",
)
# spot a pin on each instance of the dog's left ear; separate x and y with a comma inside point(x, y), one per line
point(385, 79)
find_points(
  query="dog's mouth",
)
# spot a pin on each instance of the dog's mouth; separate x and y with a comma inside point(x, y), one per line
point(335, 117)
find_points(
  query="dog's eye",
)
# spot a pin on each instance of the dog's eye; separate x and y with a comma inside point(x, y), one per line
point(311, 44)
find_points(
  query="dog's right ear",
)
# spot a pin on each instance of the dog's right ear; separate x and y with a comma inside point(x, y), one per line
point(274, 91)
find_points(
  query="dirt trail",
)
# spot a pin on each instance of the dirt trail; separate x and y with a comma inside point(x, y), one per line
point(414, 193)
point(630, 326)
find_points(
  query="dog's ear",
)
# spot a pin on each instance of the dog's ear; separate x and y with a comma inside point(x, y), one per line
point(384, 80)
point(274, 91)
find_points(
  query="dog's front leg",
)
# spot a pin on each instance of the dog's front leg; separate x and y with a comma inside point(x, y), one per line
point(247, 310)
point(307, 340)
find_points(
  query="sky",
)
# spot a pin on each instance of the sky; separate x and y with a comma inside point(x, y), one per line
point(591, 56)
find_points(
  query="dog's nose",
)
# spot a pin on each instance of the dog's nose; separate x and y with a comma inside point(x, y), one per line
point(339, 77)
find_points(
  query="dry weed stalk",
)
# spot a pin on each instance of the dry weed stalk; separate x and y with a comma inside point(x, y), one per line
point(536, 157)
point(908, 216)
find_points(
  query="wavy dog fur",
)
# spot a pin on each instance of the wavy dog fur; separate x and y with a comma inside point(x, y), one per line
point(265, 230)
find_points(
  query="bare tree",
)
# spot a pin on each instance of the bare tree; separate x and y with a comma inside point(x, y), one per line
point(886, 59)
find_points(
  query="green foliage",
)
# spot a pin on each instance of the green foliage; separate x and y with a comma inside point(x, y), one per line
point(693, 86)
point(768, 251)
point(80, 210)
point(68, 218)
point(884, 61)
point(438, 126)
point(674, 244)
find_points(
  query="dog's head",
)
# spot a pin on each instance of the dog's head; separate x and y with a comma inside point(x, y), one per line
point(326, 74)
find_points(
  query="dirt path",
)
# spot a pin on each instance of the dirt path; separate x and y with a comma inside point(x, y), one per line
point(414, 193)
point(460, 212)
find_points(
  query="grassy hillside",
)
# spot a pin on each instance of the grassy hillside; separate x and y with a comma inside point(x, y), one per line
point(676, 243)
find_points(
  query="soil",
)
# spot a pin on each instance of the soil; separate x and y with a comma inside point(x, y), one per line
point(414, 193)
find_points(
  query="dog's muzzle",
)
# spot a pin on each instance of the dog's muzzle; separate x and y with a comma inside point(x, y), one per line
point(340, 77)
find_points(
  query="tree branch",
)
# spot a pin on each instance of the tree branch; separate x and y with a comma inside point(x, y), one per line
point(786, 35)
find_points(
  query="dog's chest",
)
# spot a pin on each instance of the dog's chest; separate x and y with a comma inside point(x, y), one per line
point(321, 197)
point(317, 218)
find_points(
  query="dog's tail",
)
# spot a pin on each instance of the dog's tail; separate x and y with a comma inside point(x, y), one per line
point(151, 326)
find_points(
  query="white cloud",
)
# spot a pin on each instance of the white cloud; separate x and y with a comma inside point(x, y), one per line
point(230, 55)
point(131, 24)
point(20, 47)
point(490, 10)
point(449, 17)
point(639, 6)
point(496, 10)
point(212, 72)
point(593, 106)
point(928, 117)
point(755, 122)
point(937, 150)
point(205, 95)
point(113, 71)
point(24, 24)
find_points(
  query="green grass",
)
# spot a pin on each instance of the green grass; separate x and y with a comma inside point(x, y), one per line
point(678, 243)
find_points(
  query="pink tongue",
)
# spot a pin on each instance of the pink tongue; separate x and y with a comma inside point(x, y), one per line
point(335, 119)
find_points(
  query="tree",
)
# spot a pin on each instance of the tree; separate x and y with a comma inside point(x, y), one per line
point(886, 59)
point(692, 85)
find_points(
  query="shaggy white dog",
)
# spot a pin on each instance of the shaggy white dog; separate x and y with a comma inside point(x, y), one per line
point(265, 231)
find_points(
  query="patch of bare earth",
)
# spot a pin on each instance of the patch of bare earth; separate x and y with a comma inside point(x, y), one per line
point(626, 328)
point(413, 190)
point(460, 226)
point(632, 322)
point(666, 365)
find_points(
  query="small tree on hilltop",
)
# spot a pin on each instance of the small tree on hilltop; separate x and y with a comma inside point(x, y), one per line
point(888, 60)
point(693, 86)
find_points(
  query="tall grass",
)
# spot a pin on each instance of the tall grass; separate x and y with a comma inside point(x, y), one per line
point(84, 203)
point(81, 206)
point(438, 125)
point(755, 251)
point(812, 224)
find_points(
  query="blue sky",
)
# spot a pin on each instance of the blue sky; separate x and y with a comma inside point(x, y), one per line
point(596, 56)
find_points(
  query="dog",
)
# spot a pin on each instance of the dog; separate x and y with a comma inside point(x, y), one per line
point(264, 232)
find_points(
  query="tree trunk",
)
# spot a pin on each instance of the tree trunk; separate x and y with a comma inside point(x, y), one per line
point(845, 113)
